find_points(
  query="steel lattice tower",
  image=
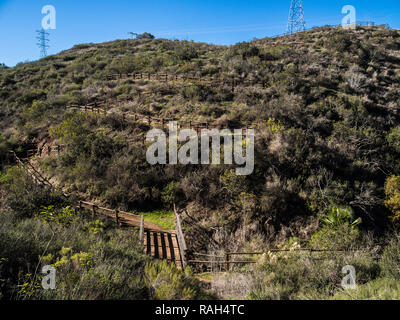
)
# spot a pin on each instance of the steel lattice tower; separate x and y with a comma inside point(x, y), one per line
point(42, 37)
point(296, 17)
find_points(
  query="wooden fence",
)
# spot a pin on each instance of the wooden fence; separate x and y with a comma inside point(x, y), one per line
point(181, 239)
point(195, 79)
point(31, 170)
point(130, 219)
point(153, 121)
point(226, 260)
point(120, 217)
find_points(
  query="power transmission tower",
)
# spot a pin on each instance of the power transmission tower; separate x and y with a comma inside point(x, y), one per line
point(296, 17)
point(43, 39)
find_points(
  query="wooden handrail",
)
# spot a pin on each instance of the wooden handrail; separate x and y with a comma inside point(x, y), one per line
point(141, 232)
point(121, 214)
point(297, 249)
point(181, 238)
point(198, 126)
point(222, 262)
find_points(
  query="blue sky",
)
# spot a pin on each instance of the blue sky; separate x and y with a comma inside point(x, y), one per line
point(217, 21)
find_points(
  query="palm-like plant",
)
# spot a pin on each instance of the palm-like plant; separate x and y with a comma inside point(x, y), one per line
point(341, 215)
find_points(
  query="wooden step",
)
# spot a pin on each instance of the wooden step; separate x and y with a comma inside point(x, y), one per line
point(178, 260)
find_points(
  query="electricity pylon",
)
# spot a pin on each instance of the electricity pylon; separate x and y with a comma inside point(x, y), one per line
point(296, 17)
point(42, 37)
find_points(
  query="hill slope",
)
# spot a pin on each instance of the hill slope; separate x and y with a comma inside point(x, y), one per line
point(324, 104)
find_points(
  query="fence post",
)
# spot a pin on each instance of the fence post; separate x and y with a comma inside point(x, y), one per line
point(30, 153)
point(117, 217)
point(181, 239)
point(141, 232)
point(228, 258)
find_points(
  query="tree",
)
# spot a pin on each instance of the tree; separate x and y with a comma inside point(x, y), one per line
point(144, 35)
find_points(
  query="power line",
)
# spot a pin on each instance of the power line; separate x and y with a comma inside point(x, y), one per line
point(43, 39)
point(296, 17)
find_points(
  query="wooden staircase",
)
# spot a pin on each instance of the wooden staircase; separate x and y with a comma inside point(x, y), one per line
point(163, 246)
point(157, 242)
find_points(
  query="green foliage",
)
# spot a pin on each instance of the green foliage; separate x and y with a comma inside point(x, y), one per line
point(339, 237)
point(144, 35)
point(169, 194)
point(379, 289)
point(394, 139)
point(3, 152)
point(29, 288)
point(23, 196)
point(195, 92)
point(105, 265)
point(232, 182)
point(168, 283)
point(163, 218)
point(339, 216)
point(325, 136)
point(301, 275)
point(392, 191)
point(390, 262)
point(95, 227)
point(2, 280)
point(274, 125)
point(62, 216)
point(36, 110)
point(72, 128)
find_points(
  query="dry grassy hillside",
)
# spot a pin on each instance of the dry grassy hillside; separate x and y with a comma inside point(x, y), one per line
point(324, 105)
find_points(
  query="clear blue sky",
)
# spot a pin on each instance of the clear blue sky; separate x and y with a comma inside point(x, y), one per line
point(216, 21)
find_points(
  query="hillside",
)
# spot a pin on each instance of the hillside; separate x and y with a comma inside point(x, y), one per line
point(324, 105)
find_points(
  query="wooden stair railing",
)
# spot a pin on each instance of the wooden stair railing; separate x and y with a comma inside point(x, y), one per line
point(157, 242)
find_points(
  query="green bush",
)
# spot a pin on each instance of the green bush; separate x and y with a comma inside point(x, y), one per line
point(302, 275)
point(394, 139)
point(168, 283)
point(380, 289)
point(339, 216)
point(24, 197)
point(390, 261)
point(100, 264)
point(335, 238)
point(392, 191)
